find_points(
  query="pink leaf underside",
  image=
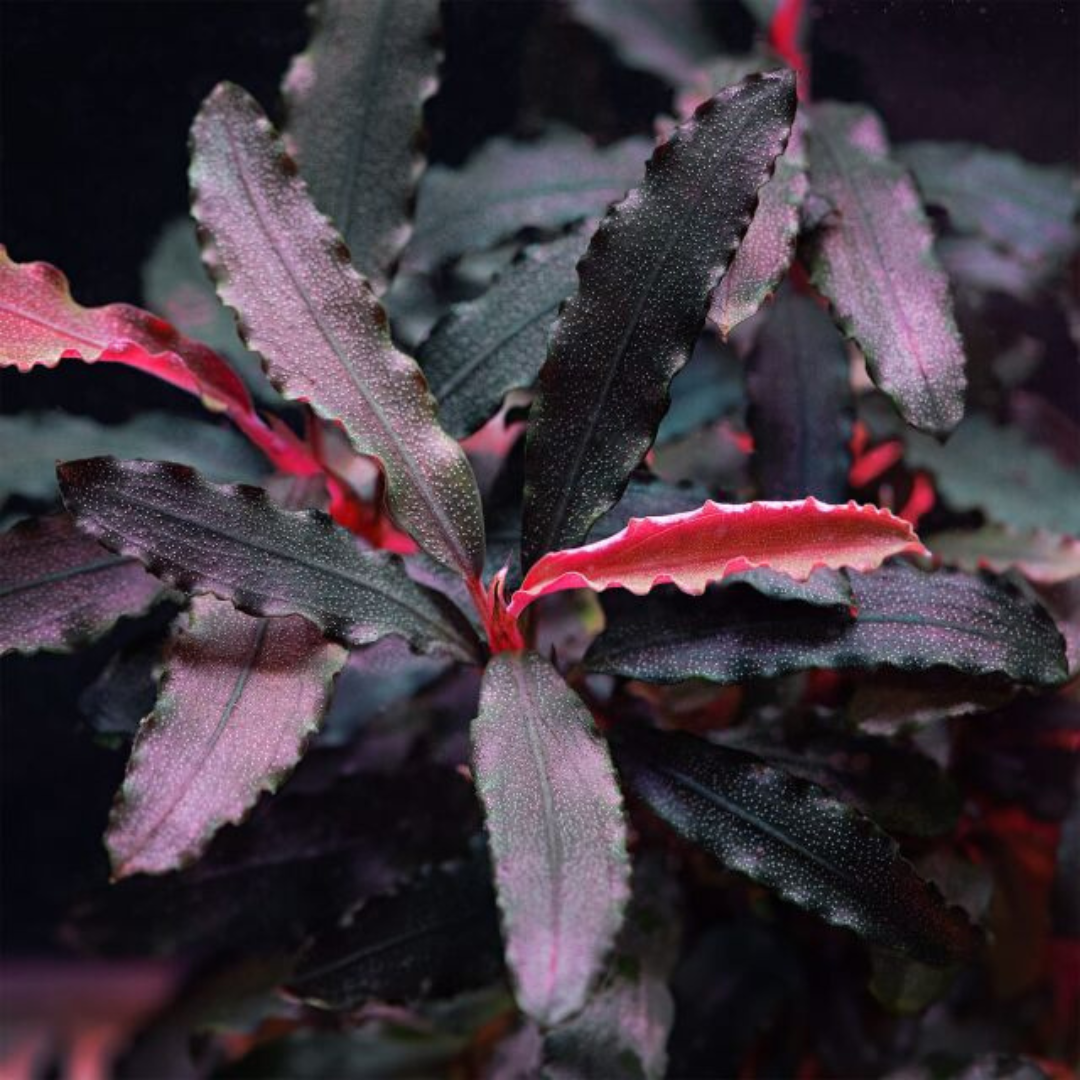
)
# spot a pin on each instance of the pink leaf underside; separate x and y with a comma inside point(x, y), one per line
point(41, 324)
point(239, 699)
point(694, 549)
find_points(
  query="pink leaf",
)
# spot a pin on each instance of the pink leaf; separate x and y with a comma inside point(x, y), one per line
point(694, 549)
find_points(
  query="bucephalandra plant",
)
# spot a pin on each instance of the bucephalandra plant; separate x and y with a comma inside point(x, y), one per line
point(664, 619)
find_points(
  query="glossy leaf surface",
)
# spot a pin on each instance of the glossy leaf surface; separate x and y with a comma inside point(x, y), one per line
point(800, 403)
point(640, 306)
point(694, 549)
point(355, 101)
point(234, 543)
point(904, 619)
point(322, 333)
point(795, 838)
point(497, 343)
point(873, 258)
point(239, 698)
point(555, 829)
point(508, 186)
point(60, 588)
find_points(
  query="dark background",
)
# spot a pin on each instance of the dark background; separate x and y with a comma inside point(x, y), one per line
point(95, 101)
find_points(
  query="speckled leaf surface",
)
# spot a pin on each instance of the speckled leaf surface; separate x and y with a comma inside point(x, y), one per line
point(238, 700)
point(640, 306)
point(313, 319)
point(800, 403)
point(668, 38)
point(873, 258)
point(695, 549)
point(768, 248)
point(1040, 556)
point(60, 588)
point(437, 935)
point(793, 837)
point(904, 619)
point(497, 343)
point(555, 829)
point(508, 186)
point(234, 543)
point(355, 100)
point(1026, 209)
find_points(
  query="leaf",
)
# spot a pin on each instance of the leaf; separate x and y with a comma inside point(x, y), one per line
point(234, 543)
point(640, 306)
point(497, 343)
point(709, 388)
point(791, 836)
point(175, 283)
point(800, 403)
point(437, 935)
point(667, 38)
point(238, 701)
point(624, 1028)
point(31, 444)
point(768, 248)
point(508, 186)
point(874, 261)
point(694, 549)
point(1023, 208)
point(555, 829)
point(904, 619)
point(355, 101)
point(319, 328)
point(41, 324)
point(1041, 557)
point(59, 588)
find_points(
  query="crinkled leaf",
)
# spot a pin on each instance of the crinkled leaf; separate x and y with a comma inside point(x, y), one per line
point(708, 388)
point(904, 619)
point(175, 283)
point(623, 1030)
point(873, 258)
point(1027, 209)
point(695, 549)
point(497, 343)
point(768, 248)
point(508, 186)
point(556, 832)
point(324, 336)
point(640, 307)
point(60, 588)
point(355, 100)
point(668, 38)
point(32, 443)
point(239, 698)
point(1039, 556)
point(437, 935)
point(800, 403)
point(234, 543)
point(793, 837)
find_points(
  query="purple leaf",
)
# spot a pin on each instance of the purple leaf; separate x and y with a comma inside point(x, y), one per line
point(355, 101)
point(874, 261)
point(556, 832)
point(322, 333)
point(60, 588)
point(239, 699)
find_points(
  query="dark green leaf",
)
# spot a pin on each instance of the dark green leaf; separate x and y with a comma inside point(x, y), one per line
point(905, 619)
point(873, 258)
point(708, 388)
point(792, 837)
point(497, 343)
point(509, 186)
point(800, 403)
point(556, 832)
point(355, 100)
point(640, 306)
point(233, 542)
